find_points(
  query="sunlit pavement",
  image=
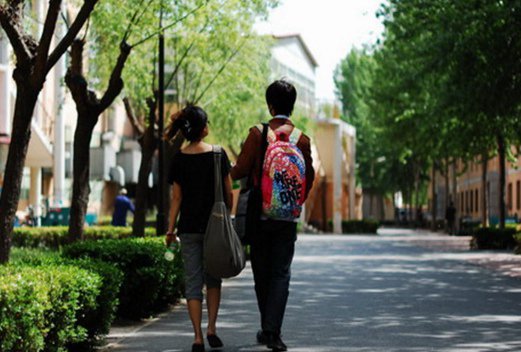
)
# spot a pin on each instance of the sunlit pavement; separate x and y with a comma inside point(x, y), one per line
point(401, 291)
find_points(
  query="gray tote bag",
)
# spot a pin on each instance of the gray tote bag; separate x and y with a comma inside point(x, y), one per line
point(223, 252)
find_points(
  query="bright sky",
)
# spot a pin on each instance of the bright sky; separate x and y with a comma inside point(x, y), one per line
point(330, 29)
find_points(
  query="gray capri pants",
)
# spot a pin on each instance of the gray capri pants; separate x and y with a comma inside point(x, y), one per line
point(195, 276)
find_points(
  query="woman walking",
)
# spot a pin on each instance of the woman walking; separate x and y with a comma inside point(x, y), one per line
point(192, 177)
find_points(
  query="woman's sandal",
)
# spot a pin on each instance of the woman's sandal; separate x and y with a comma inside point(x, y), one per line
point(198, 347)
point(214, 341)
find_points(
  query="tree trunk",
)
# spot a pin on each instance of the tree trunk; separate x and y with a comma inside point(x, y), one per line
point(434, 200)
point(455, 193)
point(89, 108)
point(417, 197)
point(484, 171)
point(81, 177)
point(381, 205)
point(25, 102)
point(447, 188)
point(502, 180)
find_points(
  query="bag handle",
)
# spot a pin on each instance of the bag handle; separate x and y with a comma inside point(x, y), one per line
point(217, 150)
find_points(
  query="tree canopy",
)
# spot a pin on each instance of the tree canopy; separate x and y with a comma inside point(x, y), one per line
point(442, 84)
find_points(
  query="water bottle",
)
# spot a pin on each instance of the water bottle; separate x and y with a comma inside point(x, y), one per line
point(170, 251)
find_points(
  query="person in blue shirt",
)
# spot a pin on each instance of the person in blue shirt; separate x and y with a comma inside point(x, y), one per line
point(121, 207)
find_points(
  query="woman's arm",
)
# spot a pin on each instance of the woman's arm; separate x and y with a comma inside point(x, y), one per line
point(175, 205)
point(228, 195)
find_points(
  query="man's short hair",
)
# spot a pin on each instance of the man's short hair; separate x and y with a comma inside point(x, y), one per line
point(281, 96)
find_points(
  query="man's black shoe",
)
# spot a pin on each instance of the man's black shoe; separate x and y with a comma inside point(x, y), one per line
point(262, 337)
point(275, 343)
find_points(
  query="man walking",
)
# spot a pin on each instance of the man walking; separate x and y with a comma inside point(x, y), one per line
point(287, 176)
point(122, 205)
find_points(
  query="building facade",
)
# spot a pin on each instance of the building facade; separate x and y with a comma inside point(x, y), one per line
point(47, 177)
point(464, 185)
point(292, 60)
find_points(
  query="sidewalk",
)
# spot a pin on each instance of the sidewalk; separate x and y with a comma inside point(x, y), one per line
point(406, 291)
point(502, 262)
point(237, 325)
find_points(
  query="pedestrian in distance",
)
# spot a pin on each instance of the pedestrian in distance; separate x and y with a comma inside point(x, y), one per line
point(281, 166)
point(192, 178)
point(450, 217)
point(122, 206)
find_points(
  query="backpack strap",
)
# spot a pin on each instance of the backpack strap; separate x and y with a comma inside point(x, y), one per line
point(295, 135)
point(217, 151)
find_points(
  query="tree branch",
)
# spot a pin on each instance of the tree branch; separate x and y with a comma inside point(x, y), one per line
point(178, 64)
point(136, 17)
point(221, 69)
point(183, 56)
point(164, 28)
point(10, 21)
point(115, 82)
point(45, 40)
point(76, 26)
point(74, 77)
point(138, 127)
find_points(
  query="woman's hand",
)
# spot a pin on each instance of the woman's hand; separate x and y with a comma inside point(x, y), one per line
point(170, 238)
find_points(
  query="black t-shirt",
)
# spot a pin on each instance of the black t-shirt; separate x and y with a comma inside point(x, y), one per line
point(195, 174)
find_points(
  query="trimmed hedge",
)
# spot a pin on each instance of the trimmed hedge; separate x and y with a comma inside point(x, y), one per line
point(360, 226)
point(493, 238)
point(56, 236)
point(40, 306)
point(95, 320)
point(150, 282)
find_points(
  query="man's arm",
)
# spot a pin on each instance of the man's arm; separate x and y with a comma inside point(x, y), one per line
point(246, 158)
point(310, 171)
point(131, 206)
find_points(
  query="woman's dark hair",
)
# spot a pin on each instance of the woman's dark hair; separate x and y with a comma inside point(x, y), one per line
point(191, 121)
point(281, 96)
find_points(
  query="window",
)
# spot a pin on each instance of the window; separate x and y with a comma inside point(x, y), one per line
point(509, 196)
point(476, 199)
point(518, 194)
point(471, 201)
point(467, 208)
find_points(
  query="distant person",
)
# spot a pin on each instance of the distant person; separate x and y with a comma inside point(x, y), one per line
point(450, 216)
point(287, 177)
point(419, 216)
point(121, 207)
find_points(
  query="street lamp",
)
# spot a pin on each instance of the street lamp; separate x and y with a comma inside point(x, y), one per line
point(160, 219)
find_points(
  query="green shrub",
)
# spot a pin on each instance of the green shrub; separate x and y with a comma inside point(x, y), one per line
point(150, 282)
point(56, 236)
point(492, 238)
point(96, 320)
point(360, 226)
point(23, 305)
point(40, 306)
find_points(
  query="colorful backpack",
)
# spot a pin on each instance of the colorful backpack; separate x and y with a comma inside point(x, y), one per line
point(283, 179)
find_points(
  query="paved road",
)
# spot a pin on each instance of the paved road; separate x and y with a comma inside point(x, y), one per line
point(401, 291)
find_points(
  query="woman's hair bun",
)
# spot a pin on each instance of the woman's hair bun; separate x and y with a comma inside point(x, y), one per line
point(191, 121)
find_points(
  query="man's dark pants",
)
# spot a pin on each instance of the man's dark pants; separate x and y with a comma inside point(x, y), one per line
point(272, 252)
